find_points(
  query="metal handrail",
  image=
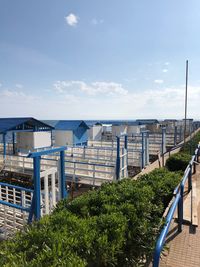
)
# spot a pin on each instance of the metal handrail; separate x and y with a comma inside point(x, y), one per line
point(178, 201)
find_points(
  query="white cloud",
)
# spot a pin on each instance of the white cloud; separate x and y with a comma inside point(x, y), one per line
point(165, 70)
point(72, 19)
point(92, 89)
point(95, 21)
point(19, 86)
point(100, 100)
point(14, 94)
point(167, 63)
point(158, 81)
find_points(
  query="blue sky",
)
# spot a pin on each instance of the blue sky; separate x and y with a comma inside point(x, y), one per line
point(81, 59)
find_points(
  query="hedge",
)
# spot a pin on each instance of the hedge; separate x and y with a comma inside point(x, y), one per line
point(116, 225)
point(178, 162)
point(190, 146)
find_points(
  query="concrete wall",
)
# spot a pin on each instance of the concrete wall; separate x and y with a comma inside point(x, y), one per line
point(63, 138)
point(119, 129)
point(95, 133)
point(33, 140)
point(135, 129)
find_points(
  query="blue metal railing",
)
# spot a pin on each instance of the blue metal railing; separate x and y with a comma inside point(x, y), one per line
point(177, 202)
point(20, 189)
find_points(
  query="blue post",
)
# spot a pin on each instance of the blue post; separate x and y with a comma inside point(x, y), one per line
point(13, 142)
point(180, 134)
point(51, 138)
point(118, 159)
point(180, 209)
point(126, 149)
point(163, 140)
point(190, 178)
point(175, 136)
point(143, 150)
point(126, 142)
point(36, 162)
point(4, 145)
point(146, 148)
point(62, 174)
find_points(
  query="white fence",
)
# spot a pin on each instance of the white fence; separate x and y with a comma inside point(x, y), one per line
point(11, 218)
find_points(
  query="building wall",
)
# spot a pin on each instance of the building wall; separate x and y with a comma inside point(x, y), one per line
point(33, 140)
point(135, 129)
point(95, 133)
point(119, 129)
point(63, 138)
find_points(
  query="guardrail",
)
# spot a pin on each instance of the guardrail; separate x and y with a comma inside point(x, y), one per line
point(177, 202)
point(15, 205)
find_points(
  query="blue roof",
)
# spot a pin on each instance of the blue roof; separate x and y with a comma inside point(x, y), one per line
point(22, 124)
point(68, 125)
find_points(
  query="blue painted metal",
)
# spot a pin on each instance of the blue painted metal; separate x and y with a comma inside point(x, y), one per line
point(13, 142)
point(126, 142)
point(4, 145)
point(163, 148)
point(29, 123)
point(147, 147)
point(118, 159)
point(46, 152)
point(62, 174)
point(179, 191)
point(70, 125)
point(17, 187)
point(175, 135)
point(143, 150)
point(14, 206)
point(36, 162)
point(161, 239)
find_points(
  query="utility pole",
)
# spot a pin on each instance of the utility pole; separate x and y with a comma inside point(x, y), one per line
point(186, 87)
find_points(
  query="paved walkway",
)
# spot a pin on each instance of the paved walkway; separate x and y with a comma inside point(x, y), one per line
point(183, 249)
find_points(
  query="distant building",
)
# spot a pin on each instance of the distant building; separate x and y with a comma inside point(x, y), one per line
point(70, 132)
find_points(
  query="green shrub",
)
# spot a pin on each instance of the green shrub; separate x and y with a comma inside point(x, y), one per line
point(190, 146)
point(116, 225)
point(178, 162)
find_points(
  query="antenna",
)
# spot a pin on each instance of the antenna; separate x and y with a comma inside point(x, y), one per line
point(186, 87)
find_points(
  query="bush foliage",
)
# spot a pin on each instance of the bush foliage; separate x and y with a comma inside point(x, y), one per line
point(115, 225)
point(190, 146)
point(178, 162)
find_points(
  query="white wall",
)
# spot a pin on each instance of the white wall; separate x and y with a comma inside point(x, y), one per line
point(41, 139)
point(119, 129)
point(33, 140)
point(135, 129)
point(95, 133)
point(63, 138)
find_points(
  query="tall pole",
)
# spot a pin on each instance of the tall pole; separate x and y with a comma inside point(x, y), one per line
point(186, 87)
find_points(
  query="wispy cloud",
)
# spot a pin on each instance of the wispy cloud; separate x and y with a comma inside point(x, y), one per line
point(1, 84)
point(19, 86)
point(100, 100)
point(95, 21)
point(72, 19)
point(167, 63)
point(158, 81)
point(165, 70)
point(92, 89)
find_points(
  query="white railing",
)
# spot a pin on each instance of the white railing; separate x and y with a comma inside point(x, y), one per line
point(49, 190)
point(11, 218)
